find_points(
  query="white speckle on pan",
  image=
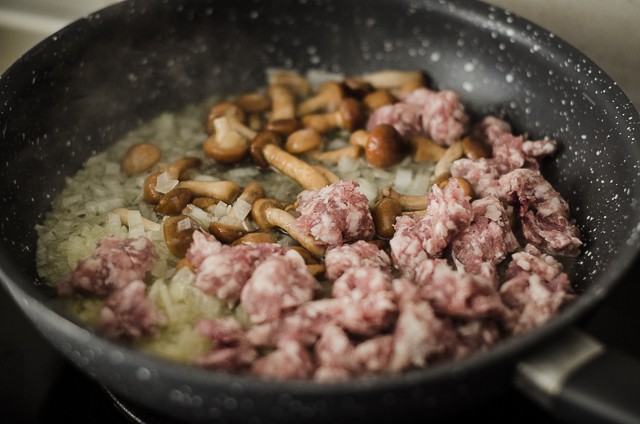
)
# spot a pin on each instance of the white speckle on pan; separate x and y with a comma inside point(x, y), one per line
point(469, 67)
point(370, 22)
point(435, 56)
point(509, 78)
point(467, 86)
point(143, 374)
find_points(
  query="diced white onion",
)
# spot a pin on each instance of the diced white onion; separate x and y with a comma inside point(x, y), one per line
point(347, 165)
point(135, 224)
point(368, 189)
point(201, 217)
point(165, 183)
point(241, 209)
point(403, 179)
point(221, 210)
point(184, 224)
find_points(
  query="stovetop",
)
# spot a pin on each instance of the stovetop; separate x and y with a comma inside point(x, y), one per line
point(37, 385)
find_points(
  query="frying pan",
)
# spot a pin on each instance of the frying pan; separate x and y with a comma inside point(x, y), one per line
point(84, 87)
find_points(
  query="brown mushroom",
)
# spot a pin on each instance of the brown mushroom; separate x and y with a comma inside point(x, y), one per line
point(282, 103)
point(139, 158)
point(293, 81)
point(303, 140)
point(253, 103)
point(148, 224)
point(378, 98)
point(225, 145)
point(356, 88)
point(230, 227)
point(173, 171)
point(265, 151)
point(255, 237)
point(349, 116)
point(174, 201)
point(383, 146)
point(412, 203)
point(268, 213)
point(284, 127)
point(453, 153)
point(328, 98)
point(425, 150)
point(221, 190)
point(393, 79)
point(384, 214)
point(463, 183)
point(178, 233)
point(204, 203)
point(333, 156)
point(226, 110)
point(475, 149)
point(313, 266)
point(325, 172)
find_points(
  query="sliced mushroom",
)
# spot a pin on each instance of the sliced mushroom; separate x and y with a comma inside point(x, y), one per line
point(425, 150)
point(268, 213)
point(139, 158)
point(412, 203)
point(328, 98)
point(230, 228)
point(265, 151)
point(333, 156)
point(349, 116)
point(226, 145)
point(173, 171)
point(383, 146)
point(221, 190)
point(148, 224)
point(178, 234)
point(303, 140)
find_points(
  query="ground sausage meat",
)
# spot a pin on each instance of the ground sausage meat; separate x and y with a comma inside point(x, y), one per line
point(231, 351)
point(358, 254)
point(128, 313)
point(437, 114)
point(544, 214)
point(114, 264)
point(420, 237)
point(278, 284)
point(535, 288)
point(336, 214)
point(291, 360)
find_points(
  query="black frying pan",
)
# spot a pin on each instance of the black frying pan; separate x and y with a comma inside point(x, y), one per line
point(84, 87)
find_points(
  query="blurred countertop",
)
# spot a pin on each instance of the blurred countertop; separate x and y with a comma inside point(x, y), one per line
point(606, 31)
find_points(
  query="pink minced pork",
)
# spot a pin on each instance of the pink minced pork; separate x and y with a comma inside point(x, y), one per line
point(535, 288)
point(486, 241)
point(128, 313)
point(358, 254)
point(436, 114)
point(334, 215)
point(291, 360)
point(114, 264)
point(232, 350)
point(278, 284)
point(420, 237)
point(544, 214)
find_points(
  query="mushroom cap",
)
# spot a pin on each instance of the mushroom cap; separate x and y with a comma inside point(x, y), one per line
point(253, 238)
point(259, 210)
point(378, 98)
point(386, 146)
point(226, 233)
point(149, 192)
point(253, 103)
point(358, 89)
point(223, 109)
point(474, 148)
point(384, 214)
point(351, 113)
point(139, 158)
point(174, 201)
point(463, 183)
point(232, 149)
point(257, 145)
point(284, 127)
point(303, 140)
point(178, 240)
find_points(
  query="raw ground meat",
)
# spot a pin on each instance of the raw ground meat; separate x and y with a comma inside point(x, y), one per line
point(334, 354)
point(231, 351)
point(420, 237)
point(113, 265)
point(336, 214)
point(486, 241)
point(438, 115)
point(291, 360)
point(202, 246)
point(535, 288)
point(278, 284)
point(544, 214)
point(358, 254)
point(128, 313)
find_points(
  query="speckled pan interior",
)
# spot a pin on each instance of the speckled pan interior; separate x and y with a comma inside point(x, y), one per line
point(82, 88)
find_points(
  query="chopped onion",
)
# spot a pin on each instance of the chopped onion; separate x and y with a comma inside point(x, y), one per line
point(403, 179)
point(134, 221)
point(347, 165)
point(184, 224)
point(368, 189)
point(165, 183)
point(241, 209)
point(201, 217)
point(221, 210)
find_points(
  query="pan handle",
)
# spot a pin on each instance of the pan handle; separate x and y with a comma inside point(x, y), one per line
point(579, 380)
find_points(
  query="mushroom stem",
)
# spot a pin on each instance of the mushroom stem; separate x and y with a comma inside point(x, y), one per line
point(226, 145)
point(230, 228)
point(148, 224)
point(221, 190)
point(293, 81)
point(425, 150)
point(268, 213)
point(327, 98)
point(325, 172)
point(303, 140)
point(349, 116)
point(282, 103)
point(351, 151)
point(393, 79)
point(453, 153)
point(412, 203)
point(295, 168)
point(173, 170)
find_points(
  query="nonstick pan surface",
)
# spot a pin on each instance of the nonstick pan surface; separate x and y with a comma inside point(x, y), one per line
point(84, 87)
